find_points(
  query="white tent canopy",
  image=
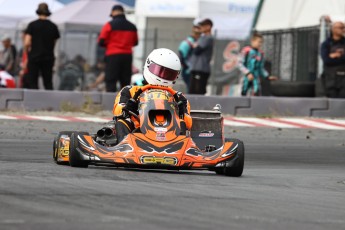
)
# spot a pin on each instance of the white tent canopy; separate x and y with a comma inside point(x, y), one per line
point(14, 11)
point(276, 14)
point(26, 8)
point(85, 15)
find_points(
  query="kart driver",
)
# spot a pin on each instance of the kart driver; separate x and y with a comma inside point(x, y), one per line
point(162, 68)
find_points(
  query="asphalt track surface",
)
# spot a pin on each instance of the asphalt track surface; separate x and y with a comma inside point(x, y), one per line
point(293, 179)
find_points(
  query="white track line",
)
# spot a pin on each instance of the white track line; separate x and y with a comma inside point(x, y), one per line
point(47, 118)
point(237, 124)
point(7, 117)
point(94, 119)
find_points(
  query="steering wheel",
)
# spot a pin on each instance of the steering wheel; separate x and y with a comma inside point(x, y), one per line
point(147, 87)
point(134, 115)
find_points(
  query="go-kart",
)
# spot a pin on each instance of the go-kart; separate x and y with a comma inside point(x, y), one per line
point(161, 140)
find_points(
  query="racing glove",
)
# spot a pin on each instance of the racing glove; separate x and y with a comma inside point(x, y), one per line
point(132, 106)
point(182, 104)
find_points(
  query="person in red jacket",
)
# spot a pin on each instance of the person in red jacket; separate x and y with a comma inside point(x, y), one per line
point(118, 36)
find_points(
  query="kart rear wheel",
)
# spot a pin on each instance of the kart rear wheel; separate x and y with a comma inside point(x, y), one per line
point(56, 146)
point(75, 159)
point(234, 168)
point(219, 171)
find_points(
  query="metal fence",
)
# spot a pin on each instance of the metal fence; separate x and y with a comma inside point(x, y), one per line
point(293, 54)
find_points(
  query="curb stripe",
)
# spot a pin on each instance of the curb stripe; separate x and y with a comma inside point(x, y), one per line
point(313, 124)
point(330, 122)
point(310, 123)
point(229, 122)
point(296, 125)
point(269, 122)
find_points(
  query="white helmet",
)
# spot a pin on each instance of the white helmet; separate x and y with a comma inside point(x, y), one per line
point(162, 67)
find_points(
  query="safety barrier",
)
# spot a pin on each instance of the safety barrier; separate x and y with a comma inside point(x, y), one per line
point(33, 100)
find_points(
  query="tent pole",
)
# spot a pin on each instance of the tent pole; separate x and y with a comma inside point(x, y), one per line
point(322, 38)
point(256, 16)
point(214, 67)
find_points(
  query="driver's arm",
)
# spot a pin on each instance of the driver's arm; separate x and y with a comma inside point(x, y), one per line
point(121, 99)
point(187, 118)
point(185, 107)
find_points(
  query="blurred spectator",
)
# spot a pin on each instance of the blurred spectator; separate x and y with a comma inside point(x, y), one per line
point(23, 65)
point(185, 51)
point(9, 55)
point(252, 66)
point(6, 79)
point(201, 57)
point(40, 39)
point(135, 80)
point(333, 56)
point(96, 84)
point(95, 77)
point(72, 74)
point(118, 36)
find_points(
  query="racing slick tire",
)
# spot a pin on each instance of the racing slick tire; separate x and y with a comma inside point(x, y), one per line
point(219, 171)
point(75, 159)
point(56, 146)
point(55, 143)
point(234, 168)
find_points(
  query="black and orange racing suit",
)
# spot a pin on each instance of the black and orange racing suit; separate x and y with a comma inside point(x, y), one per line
point(127, 125)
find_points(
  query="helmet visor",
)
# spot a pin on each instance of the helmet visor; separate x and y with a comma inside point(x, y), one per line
point(163, 72)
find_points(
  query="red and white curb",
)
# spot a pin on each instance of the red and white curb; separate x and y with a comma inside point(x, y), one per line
point(330, 124)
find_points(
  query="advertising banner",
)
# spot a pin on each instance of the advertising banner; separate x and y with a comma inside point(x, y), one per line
point(232, 18)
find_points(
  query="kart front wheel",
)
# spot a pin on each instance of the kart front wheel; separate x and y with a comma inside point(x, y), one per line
point(75, 159)
point(234, 168)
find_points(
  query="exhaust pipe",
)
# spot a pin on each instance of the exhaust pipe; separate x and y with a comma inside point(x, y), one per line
point(109, 132)
point(106, 132)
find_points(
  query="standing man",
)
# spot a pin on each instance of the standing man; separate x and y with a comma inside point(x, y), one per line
point(252, 66)
point(9, 55)
point(185, 52)
point(333, 56)
point(40, 39)
point(118, 36)
point(200, 60)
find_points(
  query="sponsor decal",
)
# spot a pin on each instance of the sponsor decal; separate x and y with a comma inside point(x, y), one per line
point(161, 129)
point(209, 134)
point(64, 149)
point(160, 136)
point(158, 160)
